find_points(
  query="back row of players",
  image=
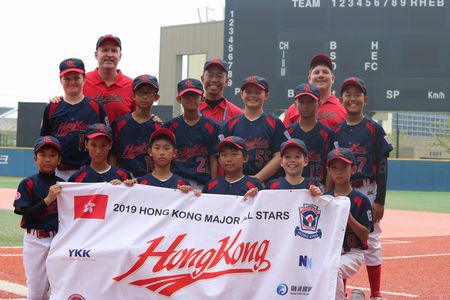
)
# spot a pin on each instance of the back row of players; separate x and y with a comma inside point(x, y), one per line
point(317, 118)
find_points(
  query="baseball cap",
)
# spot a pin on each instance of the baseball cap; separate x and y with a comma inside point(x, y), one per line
point(256, 80)
point(190, 85)
point(163, 132)
point(343, 154)
point(358, 82)
point(296, 143)
point(145, 79)
point(321, 58)
point(109, 37)
point(217, 62)
point(307, 89)
point(47, 140)
point(235, 141)
point(71, 65)
point(99, 129)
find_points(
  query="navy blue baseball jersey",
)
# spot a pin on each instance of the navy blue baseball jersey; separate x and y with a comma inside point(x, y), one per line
point(221, 186)
point(172, 183)
point(131, 143)
point(30, 192)
point(90, 175)
point(195, 145)
point(68, 123)
point(262, 136)
point(282, 184)
point(368, 143)
point(361, 210)
point(319, 141)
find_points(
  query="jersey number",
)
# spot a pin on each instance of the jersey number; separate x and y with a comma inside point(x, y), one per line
point(201, 165)
point(361, 163)
point(261, 158)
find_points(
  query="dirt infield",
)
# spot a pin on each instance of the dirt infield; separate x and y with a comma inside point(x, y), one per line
point(416, 250)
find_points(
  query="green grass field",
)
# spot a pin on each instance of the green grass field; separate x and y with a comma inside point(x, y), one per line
point(11, 234)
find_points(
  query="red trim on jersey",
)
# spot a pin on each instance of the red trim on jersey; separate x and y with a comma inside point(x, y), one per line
point(271, 122)
point(212, 184)
point(119, 127)
point(181, 182)
point(358, 201)
point(29, 185)
point(274, 185)
point(173, 126)
point(51, 111)
point(209, 127)
point(232, 123)
point(371, 128)
point(250, 185)
point(95, 107)
point(81, 177)
point(122, 174)
point(145, 181)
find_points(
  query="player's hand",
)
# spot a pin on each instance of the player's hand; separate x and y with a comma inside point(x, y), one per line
point(130, 182)
point(251, 193)
point(378, 212)
point(315, 190)
point(155, 118)
point(56, 99)
point(197, 193)
point(185, 188)
point(53, 192)
point(115, 182)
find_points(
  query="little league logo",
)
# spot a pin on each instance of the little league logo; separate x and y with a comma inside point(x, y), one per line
point(309, 220)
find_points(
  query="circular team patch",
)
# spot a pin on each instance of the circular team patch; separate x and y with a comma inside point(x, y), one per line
point(18, 195)
point(76, 297)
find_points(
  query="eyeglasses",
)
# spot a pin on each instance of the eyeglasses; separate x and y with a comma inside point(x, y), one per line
point(146, 93)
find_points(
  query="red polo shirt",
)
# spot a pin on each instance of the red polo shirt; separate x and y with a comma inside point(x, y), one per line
point(117, 98)
point(221, 113)
point(330, 113)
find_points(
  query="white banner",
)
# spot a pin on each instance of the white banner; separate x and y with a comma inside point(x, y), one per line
point(117, 242)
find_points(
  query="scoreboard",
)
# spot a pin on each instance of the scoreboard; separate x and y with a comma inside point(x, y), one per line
point(401, 48)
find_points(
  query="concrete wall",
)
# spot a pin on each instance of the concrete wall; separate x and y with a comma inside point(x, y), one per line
point(179, 40)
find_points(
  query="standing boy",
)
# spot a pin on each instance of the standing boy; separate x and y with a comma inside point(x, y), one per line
point(68, 119)
point(232, 157)
point(36, 202)
point(294, 158)
point(98, 143)
point(197, 137)
point(317, 137)
point(215, 105)
point(263, 133)
point(132, 131)
point(371, 146)
point(341, 166)
point(331, 112)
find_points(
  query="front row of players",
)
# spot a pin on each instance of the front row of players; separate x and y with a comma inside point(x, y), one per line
point(36, 195)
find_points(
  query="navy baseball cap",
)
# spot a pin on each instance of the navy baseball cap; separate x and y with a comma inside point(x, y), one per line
point(190, 85)
point(71, 65)
point(307, 89)
point(358, 82)
point(321, 59)
point(343, 154)
point(256, 80)
point(99, 129)
point(233, 140)
point(163, 132)
point(47, 140)
point(109, 37)
point(145, 79)
point(215, 62)
point(295, 143)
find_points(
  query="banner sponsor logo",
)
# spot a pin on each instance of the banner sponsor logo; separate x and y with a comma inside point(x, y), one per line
point(309, 221)
point(90, 206)
point(282, 289)
point(305, 261)
point(197, 264)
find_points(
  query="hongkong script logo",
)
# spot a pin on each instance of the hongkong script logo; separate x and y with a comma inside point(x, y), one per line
point(190, 265)
point(309, 220)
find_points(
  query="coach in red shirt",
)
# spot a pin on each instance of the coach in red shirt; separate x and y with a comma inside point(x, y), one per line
point(106, 83)
point(214, 105)
point(331, 112)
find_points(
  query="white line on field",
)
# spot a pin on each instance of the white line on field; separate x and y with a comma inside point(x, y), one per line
point(386, 292)
point(416, 256)
point(13, 288)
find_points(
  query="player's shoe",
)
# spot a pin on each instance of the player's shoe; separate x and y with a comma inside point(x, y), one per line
point(357, 294)
point(378, 298)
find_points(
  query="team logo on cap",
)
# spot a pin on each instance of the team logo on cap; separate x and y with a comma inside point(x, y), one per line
point(309, 221)
point(188, 83)
point(70, 63)
point(307, 88)
point(216, 61)
point(252, 79)
point(143, 78)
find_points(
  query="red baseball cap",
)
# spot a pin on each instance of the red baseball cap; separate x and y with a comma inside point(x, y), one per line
point(236, 141)
point(71, 65)
point(99, 129)
point(47, 140)
point(321, 58)
point(295, 143)
point(216, 62)
point(163, 132)
point(109, 37)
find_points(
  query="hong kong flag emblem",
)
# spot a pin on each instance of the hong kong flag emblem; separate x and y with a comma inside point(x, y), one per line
point(90, 206)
